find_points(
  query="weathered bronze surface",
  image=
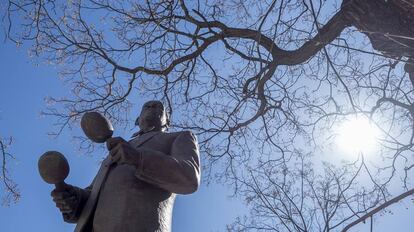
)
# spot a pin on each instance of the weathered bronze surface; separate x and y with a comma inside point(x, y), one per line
point(135, 187)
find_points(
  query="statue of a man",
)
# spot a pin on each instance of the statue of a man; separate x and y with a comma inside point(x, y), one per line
point(135, 187)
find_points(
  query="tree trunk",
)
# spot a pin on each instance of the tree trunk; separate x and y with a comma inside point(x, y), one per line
point(387, 23)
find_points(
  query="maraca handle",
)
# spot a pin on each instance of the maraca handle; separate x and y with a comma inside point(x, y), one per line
point(60, 186)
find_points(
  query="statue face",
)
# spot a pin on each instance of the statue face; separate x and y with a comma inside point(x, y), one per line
point(152, 115)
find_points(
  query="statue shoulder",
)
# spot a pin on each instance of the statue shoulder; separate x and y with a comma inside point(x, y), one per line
point(178, 133)
point(181, 134)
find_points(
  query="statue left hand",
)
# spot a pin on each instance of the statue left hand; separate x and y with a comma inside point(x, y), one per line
point(122, 152)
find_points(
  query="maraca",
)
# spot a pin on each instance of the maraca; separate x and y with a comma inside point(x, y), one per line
point(96, 127)
point(54, 168)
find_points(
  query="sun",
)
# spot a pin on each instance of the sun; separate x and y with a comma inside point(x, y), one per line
point(358, 135)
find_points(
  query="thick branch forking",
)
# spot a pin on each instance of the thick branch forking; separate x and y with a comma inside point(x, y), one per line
point(279, 56)
point(327, 33)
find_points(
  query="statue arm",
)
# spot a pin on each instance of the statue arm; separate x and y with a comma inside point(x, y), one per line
point(177, 172)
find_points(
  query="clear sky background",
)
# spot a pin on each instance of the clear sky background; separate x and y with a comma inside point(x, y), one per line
point(23, 87)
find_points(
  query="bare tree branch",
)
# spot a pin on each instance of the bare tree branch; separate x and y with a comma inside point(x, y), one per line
point(264, 84)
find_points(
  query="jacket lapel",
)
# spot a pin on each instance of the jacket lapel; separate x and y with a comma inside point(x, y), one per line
point(100, 178)
point(90, 203)
point(144, 138)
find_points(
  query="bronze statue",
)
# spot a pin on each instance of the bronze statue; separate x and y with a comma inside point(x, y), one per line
point(134, 190)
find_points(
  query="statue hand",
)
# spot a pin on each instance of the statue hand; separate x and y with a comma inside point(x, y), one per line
point(122, 152)
point(66, 200)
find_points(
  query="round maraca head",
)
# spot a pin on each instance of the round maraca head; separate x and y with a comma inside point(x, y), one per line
point(96, 127)
point(53, 167)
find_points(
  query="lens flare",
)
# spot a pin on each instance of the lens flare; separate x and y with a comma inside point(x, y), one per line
point(358, 135)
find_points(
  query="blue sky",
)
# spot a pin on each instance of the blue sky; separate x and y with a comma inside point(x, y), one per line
point(23, 87)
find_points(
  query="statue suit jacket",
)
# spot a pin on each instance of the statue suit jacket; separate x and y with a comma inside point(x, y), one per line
point(124, 198)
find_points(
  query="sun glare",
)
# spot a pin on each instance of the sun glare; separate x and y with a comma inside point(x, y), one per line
point(358, 135)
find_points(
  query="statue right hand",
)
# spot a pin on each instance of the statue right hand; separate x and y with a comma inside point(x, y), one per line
point(66, 200)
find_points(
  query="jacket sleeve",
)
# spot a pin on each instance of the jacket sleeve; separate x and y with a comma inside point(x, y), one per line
point(82, 195)
point(177, 172)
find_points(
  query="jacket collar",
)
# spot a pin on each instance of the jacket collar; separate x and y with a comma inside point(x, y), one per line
point(141, 139)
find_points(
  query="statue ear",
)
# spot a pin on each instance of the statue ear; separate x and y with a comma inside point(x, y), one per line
point(168, 122)
point(137, 121)
point(167, 117)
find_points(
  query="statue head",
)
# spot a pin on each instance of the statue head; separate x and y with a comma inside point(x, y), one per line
point(153, 117)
